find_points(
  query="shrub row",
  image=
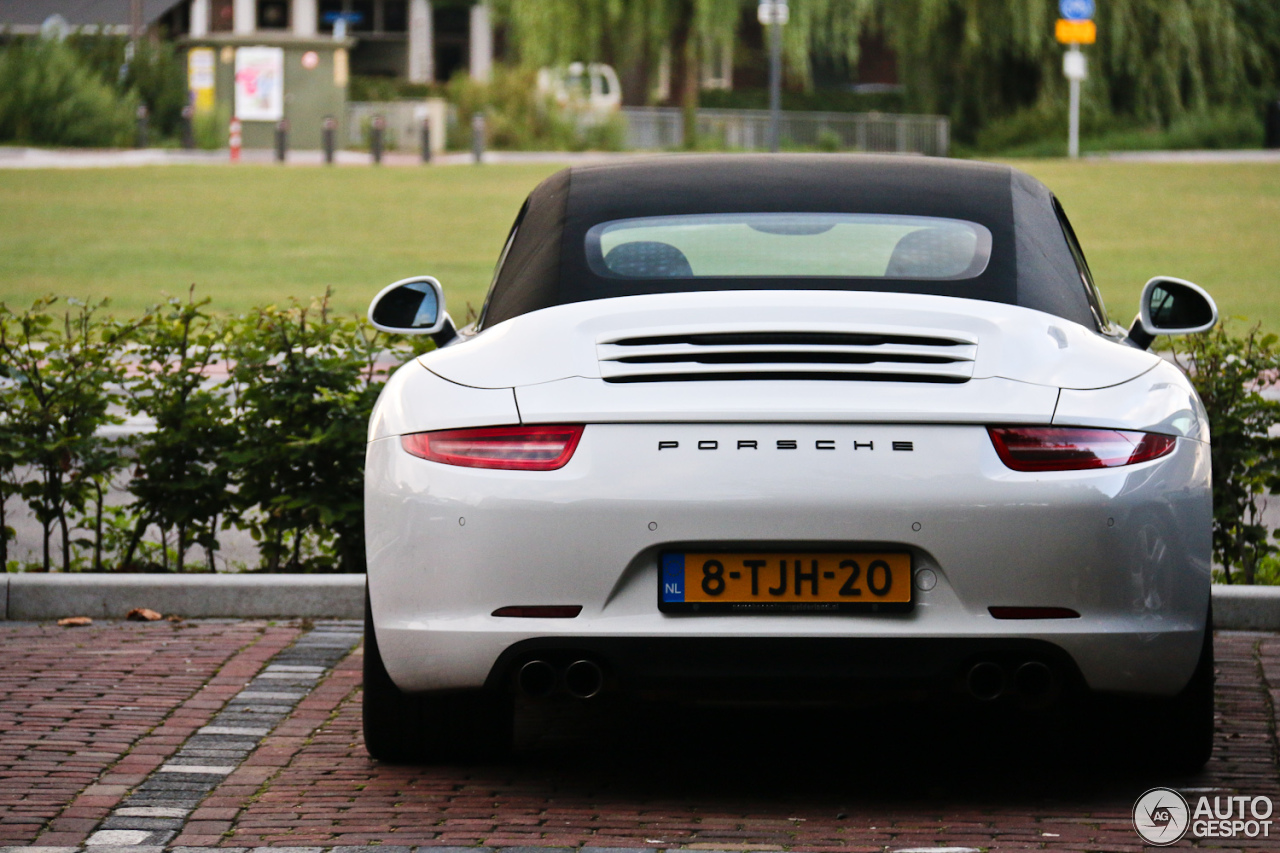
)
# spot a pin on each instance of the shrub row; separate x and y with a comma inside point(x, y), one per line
point(86, 90)
point(1233, 374)
point(260, 426)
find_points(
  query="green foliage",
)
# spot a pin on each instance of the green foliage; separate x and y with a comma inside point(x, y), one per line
point(519, 118)
point(211, 128)
point(1225, 127)
point(48, 96)
point(828, 141)
point(630, 36)
point(304, 384)
point(1229, 373)
point(370, 88)
point(818, 100)
point(277, 449)
point(1155, 62)
point(67, 374)
point(181, 477)
point(1040, 131)
point(154, 75)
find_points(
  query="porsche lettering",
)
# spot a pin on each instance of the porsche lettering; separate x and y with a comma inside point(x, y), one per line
point(785, 444)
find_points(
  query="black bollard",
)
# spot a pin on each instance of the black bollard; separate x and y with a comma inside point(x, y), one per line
point(188, 127)
point(282, 139)
point(376, 129)
point(477, 136)
point(142, 126)
point(1272, 135)
point(426, 140)
point(328, 130)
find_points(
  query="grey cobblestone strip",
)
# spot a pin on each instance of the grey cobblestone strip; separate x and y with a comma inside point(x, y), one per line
point(155, 812)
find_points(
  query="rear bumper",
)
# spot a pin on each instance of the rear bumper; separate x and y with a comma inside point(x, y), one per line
point(757, 669)
point(1127, 548)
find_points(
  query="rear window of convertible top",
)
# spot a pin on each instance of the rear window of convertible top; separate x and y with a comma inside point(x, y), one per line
point(755, 245)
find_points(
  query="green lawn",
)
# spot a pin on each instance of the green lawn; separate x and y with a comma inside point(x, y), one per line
point(257, 234)
point(1215, 224)
point(253, 235)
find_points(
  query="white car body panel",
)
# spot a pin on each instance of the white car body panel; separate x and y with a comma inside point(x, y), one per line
point(992, 400)
point(1160, 400)
point(454, 544)
point(447, 539)
point(566, 340)
point(415, 399)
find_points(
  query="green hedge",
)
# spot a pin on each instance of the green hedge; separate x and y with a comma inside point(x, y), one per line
point(260, 427)
point(261, 424)
point(84, 92)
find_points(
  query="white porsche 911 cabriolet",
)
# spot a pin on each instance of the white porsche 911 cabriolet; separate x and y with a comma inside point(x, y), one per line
point(774, 427)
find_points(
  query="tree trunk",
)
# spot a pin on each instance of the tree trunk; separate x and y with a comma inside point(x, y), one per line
point(180, 558)
point(685, 69)
point(97, 528)
point(211, 543)
point(273, 553)
point(138, 530)
point(66, 539)
point(4, 536)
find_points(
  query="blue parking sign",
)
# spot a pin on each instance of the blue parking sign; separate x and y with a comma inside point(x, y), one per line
point(1076, 10)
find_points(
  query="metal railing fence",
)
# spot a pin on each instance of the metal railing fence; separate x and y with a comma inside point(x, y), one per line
point(663, 128)
point(403, 118)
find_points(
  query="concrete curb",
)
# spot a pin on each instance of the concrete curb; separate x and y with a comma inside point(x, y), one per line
point(1246, 608)
point(40, 596)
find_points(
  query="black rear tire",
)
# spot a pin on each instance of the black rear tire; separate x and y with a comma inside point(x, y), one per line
point(1174, 734)
point(403, 728)
point(1186, 720)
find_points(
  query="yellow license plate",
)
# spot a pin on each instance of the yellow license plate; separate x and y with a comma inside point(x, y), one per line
point(793, 582)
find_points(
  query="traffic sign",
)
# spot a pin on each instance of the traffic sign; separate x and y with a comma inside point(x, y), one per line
point(1076, 32)
point(773, 12)
point(1076, 10)
point(1074, 65)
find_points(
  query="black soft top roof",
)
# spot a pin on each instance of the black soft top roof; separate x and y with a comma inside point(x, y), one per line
point(1031, 263)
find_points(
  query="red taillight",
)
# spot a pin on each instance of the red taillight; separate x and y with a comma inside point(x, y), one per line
point(517, 448)
point(1074, 448)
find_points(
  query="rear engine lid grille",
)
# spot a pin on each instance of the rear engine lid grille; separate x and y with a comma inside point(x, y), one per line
point(867, 356)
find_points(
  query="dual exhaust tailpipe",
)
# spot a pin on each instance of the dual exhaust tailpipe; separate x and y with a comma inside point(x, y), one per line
point(582, 679)
point(1033, 680)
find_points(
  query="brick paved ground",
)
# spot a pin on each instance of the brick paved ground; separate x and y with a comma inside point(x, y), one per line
point(596, 777)
point(609, 779)
point(86, 713)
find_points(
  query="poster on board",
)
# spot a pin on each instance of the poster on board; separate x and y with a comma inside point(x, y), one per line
point(201, 78)
point(260, 83)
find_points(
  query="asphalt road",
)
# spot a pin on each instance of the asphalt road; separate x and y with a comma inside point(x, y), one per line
point(137, 737)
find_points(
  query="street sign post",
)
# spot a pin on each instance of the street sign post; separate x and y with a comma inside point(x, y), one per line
point(771, 12)
point(774, 14)
point(1076, 10)
point(1074, 28)
point(1075, 32)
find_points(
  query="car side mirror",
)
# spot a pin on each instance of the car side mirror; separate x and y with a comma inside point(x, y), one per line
point(1171, 306)
point(413, 306)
